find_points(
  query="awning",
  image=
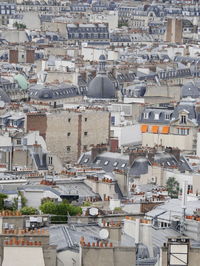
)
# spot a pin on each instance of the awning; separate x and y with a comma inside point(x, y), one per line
point(165, 130)
point(154, 129)
point(144, 128)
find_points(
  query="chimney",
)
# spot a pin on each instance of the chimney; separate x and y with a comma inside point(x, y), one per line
point(137, 231)
point(151, 155)
point(115, 231)
point(96, 150)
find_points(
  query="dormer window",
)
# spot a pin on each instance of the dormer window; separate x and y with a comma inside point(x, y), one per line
point(167, 116)
point(156, 116)
point(146, 115)
point(183, 119)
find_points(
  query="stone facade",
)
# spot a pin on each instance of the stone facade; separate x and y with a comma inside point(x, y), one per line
point(69, 133)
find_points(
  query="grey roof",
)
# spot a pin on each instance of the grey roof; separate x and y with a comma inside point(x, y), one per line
point(101, 87)
point(160, 115)
point(187, 105)
point(3, 96)
point(68, 236)
point(109, 161)
point(191, 89)
point(76, 187)
point(172, 209)
point(53, 92)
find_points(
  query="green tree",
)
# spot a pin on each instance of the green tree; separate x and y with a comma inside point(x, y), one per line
point(28, 210)
point(19, 25)
point(173, 187)
point(23, 200)
point(60, 210)
point(2, 198)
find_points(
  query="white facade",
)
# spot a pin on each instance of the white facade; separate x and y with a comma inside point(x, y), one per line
point(127, 134)
point(110, 17)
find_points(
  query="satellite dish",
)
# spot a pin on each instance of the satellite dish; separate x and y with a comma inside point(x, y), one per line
point(93, 211)
point(103, 234)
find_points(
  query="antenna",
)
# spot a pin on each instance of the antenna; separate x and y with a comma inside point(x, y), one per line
point(93, 211)
point(184, 202)
point(103, 234)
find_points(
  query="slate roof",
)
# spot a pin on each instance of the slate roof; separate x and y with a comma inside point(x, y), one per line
point(109, 161)
point(53, 91)
point(191, 89)
point(157, 115)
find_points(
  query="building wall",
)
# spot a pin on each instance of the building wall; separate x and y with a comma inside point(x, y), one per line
point(144, 235)
point(35, 121)
point(70, 133)
point(103, 189)
point(171, 140)
point(174, 30)
point(116, 256)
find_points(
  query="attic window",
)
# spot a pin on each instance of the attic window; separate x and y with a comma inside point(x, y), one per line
point(115, 164)
point(183, 119)
point(167, 116)
point(98, 161)
point(146, 115)
point(106, 163)
point(86, 160)
point(123, 165)
point(156, 116)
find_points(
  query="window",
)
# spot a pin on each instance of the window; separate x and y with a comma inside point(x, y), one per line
point(167, 116)
point(19, 142)
point(106, 163)
point(50, 160)
point(183, 119)
point(69, 120)
point(183, 131)
point(98, 161)
point(68, 148)
point(146, 115)
point(86, 160)
point(68, 134)
point(156, 116)
point(123, 165)
point(85, 133)
point(112, 120)
point(85, 119)
point(115, 164)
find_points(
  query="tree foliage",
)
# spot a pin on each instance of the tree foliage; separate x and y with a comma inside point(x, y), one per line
point(2, 198)
point(173, 187)
point(61, 210)
point(19, 25)
point(28, 210)
point(23, 201)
